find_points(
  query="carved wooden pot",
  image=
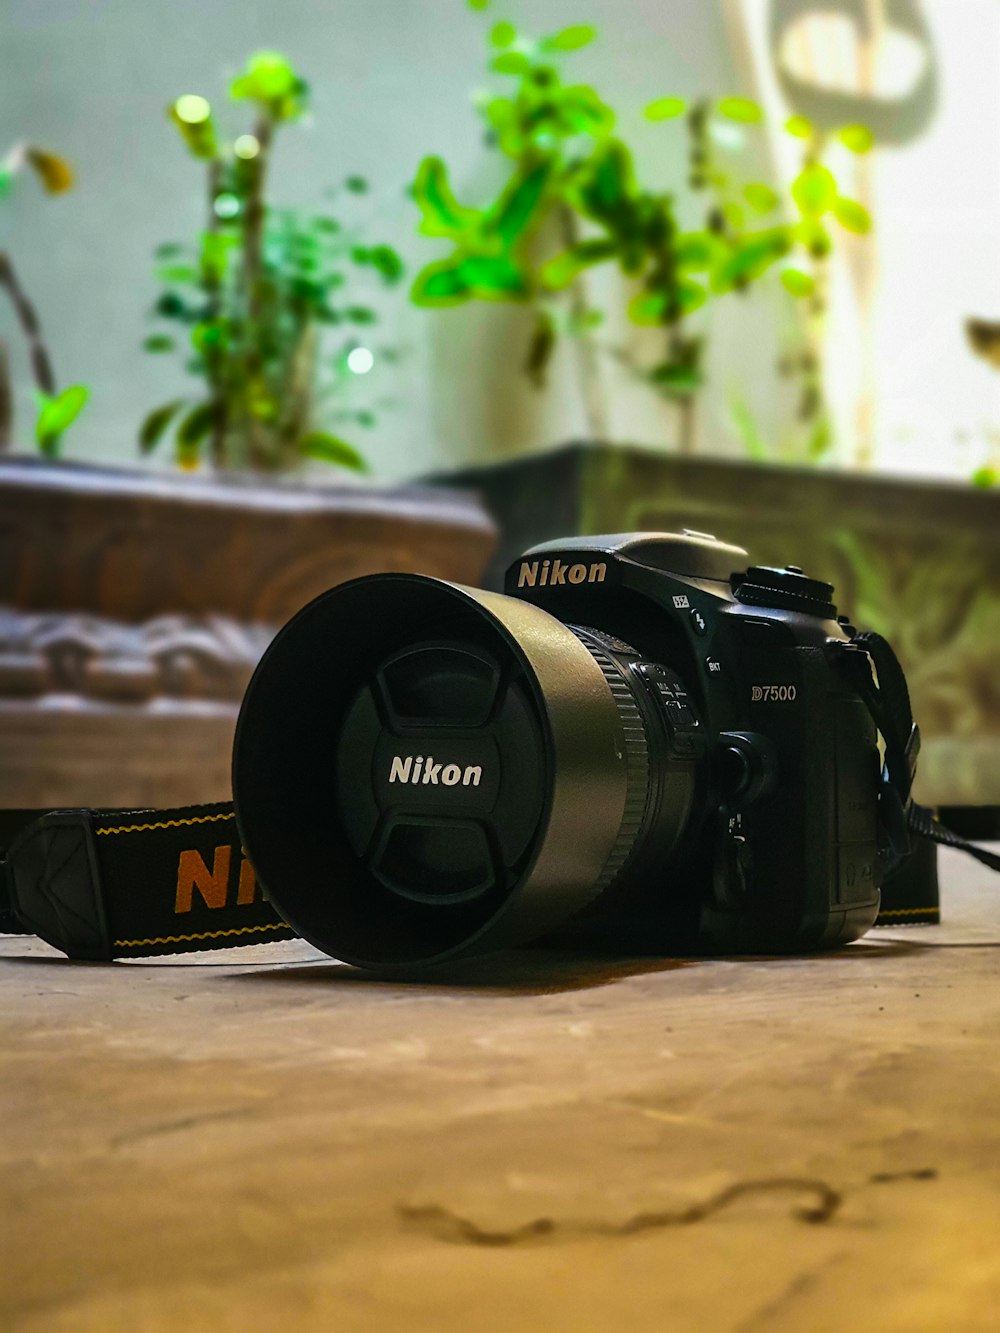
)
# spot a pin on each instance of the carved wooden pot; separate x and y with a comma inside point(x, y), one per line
point(133, 608)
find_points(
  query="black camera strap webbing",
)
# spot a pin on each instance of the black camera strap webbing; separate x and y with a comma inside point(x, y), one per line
point(906, 899)
point(104, 884)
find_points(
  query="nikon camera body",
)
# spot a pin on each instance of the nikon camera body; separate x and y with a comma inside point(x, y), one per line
point(642, 740)
point(761, 770)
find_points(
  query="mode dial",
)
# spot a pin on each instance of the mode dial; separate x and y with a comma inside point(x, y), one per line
point(788, 589)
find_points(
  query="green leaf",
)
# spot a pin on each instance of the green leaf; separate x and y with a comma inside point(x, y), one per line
point(741, 109)
point(697, 250)
point(852, 216)
point(440, 284)
point(385, 260)
point(511, 62)
point(498, 112)
point(691, 295)
point(196, 425)
point(159, 342)
point(569, 39)
point(332, 449)
point(207, 336)
point(814, 189)
point(734, 214)
point(270, 80)
point(540, 349)
point(356, 184)
point(665, 307)
point(858, 138)
point(985, 477)
point(800, 127)
point(486, 277)
point(583, 112)
point(171, 306)
point(504, 34)
point(478, 4)
point(152, 429)
point(677, 381)
point(814, 236)
point(647, 308)
point(443, 215)
point(753, 256)
point(168, 250)
point(761, 198)
point(494, 277)
point(360, 314)
point(609, 181)
point(665, 108)
point(177, 273)
point(518, 205)
point(564, 269)
point(820, 438)
point(57, 414)
point(798, 282)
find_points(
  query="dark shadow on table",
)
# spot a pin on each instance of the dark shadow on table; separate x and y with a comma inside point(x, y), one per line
point(543, 970)
point(531, 970)
point(528, 971)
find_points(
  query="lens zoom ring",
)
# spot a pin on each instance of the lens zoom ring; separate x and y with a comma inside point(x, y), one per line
point(637, 766)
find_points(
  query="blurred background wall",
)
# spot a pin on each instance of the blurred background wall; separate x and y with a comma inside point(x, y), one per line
point(391, 82)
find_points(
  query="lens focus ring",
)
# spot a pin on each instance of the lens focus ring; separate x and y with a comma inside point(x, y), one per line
point(637, 763)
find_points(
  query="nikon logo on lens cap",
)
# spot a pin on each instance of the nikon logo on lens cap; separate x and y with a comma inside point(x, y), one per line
point(430, 771)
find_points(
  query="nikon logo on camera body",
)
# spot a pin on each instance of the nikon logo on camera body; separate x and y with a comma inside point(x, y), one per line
point(427, 773)
point(547, 573)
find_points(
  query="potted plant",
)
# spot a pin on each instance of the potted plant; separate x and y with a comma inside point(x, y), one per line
point(139, 601)
point(568, 160)
point(57, 409)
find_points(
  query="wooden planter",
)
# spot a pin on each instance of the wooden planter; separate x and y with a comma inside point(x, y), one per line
point(919, 562)
point(133, 608)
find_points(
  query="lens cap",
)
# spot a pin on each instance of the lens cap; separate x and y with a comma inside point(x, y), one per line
point(452, 760)
point(423, 771)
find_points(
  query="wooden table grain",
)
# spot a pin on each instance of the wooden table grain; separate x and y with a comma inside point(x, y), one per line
point(268, 1140)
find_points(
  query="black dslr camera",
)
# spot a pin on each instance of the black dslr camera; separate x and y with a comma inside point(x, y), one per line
point(642, 740)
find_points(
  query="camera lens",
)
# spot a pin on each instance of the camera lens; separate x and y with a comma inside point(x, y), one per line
point(423, 771)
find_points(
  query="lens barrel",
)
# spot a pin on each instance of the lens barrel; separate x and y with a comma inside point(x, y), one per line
point(423, 771)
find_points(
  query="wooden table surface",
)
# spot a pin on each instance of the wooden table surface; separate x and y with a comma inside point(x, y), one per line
point(268, 1140)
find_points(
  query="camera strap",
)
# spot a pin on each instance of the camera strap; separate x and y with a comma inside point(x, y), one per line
point(105, 884)
point(907, 899)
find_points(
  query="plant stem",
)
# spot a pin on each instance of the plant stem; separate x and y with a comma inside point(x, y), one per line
point(686, 417)
point(588, 367)
point(677, 353)
point(6, 399)
point(253, 247)
point(27, 317)
point(213, 294)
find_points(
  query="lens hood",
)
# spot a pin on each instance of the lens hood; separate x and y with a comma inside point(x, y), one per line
point(423, 771)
